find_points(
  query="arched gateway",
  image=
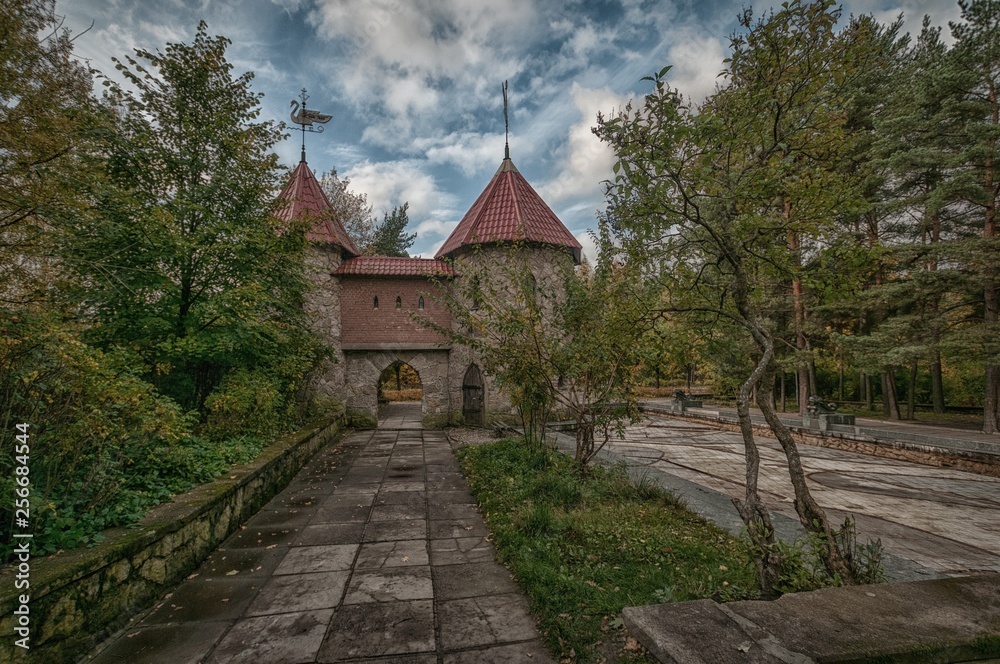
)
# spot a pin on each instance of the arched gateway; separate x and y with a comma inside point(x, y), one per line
point(364, 307)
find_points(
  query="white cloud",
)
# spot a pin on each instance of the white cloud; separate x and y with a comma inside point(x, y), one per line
point(470, 152)
point(585, 161)
point(940, 11)
point(696, 61)
point(393, 183)
point(417, 60)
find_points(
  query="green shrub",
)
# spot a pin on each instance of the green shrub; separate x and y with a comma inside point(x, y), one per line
point(246, 402)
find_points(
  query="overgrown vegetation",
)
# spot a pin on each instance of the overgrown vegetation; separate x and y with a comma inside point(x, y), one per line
point(150, 306)
point(584, 548)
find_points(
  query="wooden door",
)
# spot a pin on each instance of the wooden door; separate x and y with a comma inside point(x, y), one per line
point(473, 402)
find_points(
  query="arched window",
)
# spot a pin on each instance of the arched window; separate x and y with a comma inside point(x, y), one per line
point(399, 302)
point(420, 302)
point(532, 284)
point(375, 304)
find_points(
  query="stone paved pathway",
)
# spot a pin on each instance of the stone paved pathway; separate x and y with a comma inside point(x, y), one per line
point(945, 520)
point(375, 552)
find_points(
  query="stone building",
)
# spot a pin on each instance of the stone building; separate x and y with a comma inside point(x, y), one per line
point(361, 305)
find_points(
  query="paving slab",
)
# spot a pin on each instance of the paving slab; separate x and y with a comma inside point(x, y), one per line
point(459, 550)
point(485, 621)
point(380, 628)
point(300, 592)
point(164, 644)
point(940, 620)
point(356, 561)
point(473, 580)
point(390, 584)
point(289, 638)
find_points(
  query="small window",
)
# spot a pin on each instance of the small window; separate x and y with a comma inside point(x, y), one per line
point(532, 284)
point(399, 302)
point(420, 303)
point(375, 303)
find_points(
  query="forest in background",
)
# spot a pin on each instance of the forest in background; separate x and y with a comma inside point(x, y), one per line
point(838, 194)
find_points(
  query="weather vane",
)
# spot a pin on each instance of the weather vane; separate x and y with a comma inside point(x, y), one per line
point(305, 119)
point(506, 124)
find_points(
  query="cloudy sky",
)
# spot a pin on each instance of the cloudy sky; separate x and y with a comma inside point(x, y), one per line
point(414, 85)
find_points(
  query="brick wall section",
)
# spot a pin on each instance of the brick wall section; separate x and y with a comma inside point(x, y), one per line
point(362, 323)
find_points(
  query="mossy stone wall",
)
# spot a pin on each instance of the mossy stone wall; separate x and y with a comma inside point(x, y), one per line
point(81, 596)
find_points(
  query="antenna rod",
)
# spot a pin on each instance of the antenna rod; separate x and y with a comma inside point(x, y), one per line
point(506, 124)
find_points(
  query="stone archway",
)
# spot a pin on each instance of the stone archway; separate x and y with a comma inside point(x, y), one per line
point(473, 397)
point(363, 369)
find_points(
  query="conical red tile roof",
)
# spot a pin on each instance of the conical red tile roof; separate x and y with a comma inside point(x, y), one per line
point(509, 210)
point(303, 196)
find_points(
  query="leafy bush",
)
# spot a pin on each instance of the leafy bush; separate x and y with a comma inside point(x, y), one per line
point(245, 402)
point(104, 446)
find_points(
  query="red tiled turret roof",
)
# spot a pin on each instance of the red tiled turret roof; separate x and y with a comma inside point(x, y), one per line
point(509, 210)
point(391, 266)
point(303, 196)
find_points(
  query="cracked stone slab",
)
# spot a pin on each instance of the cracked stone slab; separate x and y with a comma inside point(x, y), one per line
point(401, 486)
point(289, 638)
point(482, 621)
point(473, 580)
point(402, 498)
point(330, 533)
point(390, 584)
point(260, 537)
point(382, 531)
point(293, 518)
point(342, 514)
point(398, 512)
point(299, 592)
point(305, 559)
point(532, 651)
point(460, 550)
point(450, 497)
point(399, 553)
point(454, 511)
point(453, 528)
point(241, 562)
point(205, 599)
point(164, 644)
point(378, 629)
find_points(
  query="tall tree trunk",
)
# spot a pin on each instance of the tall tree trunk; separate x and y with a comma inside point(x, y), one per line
point(890, 402)
point(991, 293)
point(813, 390)
point(937, 382)
point(799, 306)
point(866, 381)
point(840, 377)
point(911, 391)
point(783, 405)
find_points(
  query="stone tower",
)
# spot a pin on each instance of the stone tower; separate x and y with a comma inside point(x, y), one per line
point(304, 199)
point(508, 212)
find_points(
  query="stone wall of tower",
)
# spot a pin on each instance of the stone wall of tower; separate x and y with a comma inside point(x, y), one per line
point(547, 265)
point(323, 309)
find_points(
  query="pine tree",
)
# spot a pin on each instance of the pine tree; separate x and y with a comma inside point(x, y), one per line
point(390, 237)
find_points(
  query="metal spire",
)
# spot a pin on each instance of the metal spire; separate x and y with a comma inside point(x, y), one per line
point(506, 124)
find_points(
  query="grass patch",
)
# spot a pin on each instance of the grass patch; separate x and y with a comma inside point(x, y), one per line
point(584, 548)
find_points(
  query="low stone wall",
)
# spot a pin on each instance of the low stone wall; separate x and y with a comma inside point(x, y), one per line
point(78, 597)
point(928, 455)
